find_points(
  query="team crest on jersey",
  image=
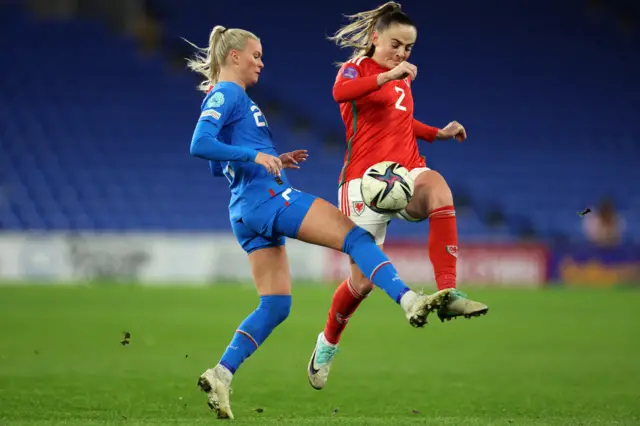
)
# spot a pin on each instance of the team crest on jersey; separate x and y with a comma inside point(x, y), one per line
point(216, 100)
point(453, 250)
point(358, 207)
point(211, 113)
point(350, 73)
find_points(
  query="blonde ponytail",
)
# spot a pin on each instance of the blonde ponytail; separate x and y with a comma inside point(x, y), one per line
point(208, 61)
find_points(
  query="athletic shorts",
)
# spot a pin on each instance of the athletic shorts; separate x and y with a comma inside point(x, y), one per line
point(269, 223)
point(351, 204)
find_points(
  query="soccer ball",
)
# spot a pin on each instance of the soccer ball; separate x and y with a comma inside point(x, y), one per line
point(386, 187)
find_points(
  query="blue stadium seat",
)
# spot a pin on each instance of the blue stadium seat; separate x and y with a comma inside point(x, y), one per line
point(102, 143)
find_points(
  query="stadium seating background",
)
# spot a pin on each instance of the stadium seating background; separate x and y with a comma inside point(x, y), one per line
point(94, 133)
point(114, 325)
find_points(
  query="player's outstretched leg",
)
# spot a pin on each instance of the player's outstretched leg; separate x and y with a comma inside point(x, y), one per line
point(432, 199)
point(271, 275)
point(325, 225)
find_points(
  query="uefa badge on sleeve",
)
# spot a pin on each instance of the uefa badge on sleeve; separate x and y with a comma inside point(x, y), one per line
point(350, 73)
point(216, 100)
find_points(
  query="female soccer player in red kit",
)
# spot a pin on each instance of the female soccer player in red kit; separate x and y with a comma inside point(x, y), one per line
point(373, 90)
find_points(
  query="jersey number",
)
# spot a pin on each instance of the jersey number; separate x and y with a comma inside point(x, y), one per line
point(257, 115)
point(400, 99)
point(286, 192)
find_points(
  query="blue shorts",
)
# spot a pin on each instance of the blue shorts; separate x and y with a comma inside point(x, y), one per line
point(272, 221)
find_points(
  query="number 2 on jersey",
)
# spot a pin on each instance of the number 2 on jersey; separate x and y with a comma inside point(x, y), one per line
point(257, 115)
point(400, 99)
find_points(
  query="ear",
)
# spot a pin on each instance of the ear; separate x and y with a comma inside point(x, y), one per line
point(374, 38)
point(233, 55)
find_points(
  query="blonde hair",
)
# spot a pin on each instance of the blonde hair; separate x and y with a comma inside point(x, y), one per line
point(208, 61)
point(358, 34)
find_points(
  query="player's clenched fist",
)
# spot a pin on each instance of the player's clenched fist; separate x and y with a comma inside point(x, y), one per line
point(269, 162)
point(454, 130)
point(403, 70)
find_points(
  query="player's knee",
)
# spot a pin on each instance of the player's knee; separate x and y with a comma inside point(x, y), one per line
point(278, 307)
point(355, 237)
point(432, 191)
point(362, 285)
point(430, 181)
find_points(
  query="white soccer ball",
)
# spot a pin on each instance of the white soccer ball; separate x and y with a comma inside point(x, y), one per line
point(386, 187)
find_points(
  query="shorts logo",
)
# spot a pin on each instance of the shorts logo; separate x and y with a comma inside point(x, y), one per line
point(211, 113)
point(350, 73)
point(216, 100)
point(358, 207)
point(453, 250)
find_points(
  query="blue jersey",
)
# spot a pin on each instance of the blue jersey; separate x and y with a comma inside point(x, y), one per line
point(234, 120)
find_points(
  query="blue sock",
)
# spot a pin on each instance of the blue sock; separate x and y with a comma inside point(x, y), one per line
point(374, 264)
point(255, 329)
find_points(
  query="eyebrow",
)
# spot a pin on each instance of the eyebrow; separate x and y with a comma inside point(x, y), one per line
point(408, 44)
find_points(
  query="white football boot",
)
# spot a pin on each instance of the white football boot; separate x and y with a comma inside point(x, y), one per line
point(216, 382)
point(461, 306)
point(418, 306)
point(320, 362)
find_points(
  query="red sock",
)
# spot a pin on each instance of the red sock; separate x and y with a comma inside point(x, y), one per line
point(443, 246)
point(345, 301)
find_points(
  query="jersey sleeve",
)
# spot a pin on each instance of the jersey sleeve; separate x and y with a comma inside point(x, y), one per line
point(220, 106)
point(424, 131)
point(217, 111)
point(352, 83)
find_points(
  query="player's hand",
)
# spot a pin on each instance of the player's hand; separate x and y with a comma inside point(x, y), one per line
point(269, 162)
point(292, 160)
point(454, 130)
point(401, 71)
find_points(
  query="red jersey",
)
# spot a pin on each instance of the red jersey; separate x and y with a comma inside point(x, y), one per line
point(378, 120)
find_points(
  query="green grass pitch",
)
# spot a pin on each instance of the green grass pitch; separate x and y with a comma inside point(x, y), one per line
point(541, 357)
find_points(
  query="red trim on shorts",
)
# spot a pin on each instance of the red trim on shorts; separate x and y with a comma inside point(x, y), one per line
point(343, 202)
point(346, 198)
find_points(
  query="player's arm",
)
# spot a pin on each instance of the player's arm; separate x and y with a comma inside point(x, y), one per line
point(205, 143)
point(429, 133)
point(347, 89)
point(426, 132)
point(350, 85)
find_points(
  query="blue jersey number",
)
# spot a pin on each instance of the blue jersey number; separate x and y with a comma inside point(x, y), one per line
point(257, 115)
point(286, 192)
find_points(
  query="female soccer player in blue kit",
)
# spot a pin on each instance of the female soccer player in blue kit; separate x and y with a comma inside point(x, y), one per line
point(233, 134)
